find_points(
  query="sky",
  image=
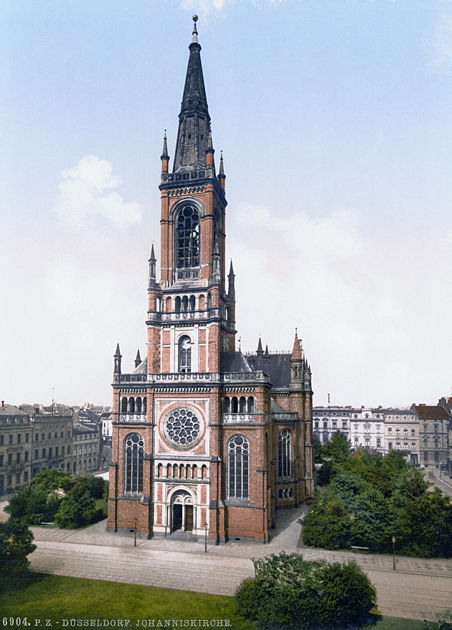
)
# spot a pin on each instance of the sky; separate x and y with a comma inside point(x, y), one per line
point(334, 120)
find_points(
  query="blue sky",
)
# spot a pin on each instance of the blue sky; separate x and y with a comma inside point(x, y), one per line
point(334, 119)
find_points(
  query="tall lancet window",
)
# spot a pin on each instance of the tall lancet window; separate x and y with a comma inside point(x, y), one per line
point(284, 453)
point(133, 465)
point(187, 238)
point(238, 466)
point(184, 347)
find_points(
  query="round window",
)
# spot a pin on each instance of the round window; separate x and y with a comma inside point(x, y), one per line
point(182, 427)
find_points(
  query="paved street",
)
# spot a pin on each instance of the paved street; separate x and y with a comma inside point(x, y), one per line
point(418, 589)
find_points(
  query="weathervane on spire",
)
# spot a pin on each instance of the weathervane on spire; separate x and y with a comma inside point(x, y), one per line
point(195, 30)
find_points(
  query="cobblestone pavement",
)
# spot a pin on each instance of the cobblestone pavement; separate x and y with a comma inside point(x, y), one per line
point(418, 588)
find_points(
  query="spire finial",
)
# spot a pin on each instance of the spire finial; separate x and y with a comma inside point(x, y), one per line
point(195, 30)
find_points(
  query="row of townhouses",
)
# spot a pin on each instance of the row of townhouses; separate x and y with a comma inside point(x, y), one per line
point(34, 438)
point(422, 432)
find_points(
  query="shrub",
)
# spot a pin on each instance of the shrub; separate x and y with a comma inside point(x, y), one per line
point(347, 595)
point(289, 593)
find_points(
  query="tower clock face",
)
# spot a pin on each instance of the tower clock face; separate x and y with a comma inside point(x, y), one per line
point(182, 428)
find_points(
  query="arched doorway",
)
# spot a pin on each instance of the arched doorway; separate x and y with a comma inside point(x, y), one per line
point(182, 512)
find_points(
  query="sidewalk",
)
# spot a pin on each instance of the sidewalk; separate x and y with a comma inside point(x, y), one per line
point(418, 588)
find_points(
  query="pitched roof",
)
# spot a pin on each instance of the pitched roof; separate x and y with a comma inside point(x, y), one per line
point(426, 412)
point(276, 366)
point(11, 410)
point(231, 361)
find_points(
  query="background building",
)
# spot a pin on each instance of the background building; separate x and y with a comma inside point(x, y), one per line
point(15, 448)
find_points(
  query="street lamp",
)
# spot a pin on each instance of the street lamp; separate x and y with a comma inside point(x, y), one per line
point(205, 536)
point(393, 553)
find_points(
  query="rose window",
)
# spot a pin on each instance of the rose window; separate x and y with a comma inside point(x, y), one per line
point(182, 427)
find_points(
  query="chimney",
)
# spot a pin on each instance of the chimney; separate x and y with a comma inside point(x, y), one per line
point(3, 403)
point(36, 410)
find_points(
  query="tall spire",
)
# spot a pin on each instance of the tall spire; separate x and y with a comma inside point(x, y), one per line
point(194, 119)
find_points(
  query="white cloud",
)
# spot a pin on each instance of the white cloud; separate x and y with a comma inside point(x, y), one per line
point(85, 194)
point(374, 315)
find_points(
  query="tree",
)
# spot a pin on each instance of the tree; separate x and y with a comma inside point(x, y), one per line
point(317, 451)
point(15, 545)
point(373, 524)
point(426, 526)
point(52, 479)
point(337, 449)
point(328, 524)
point(29, 504)
point(78, 508)
point(289, 592)
point(326, 472)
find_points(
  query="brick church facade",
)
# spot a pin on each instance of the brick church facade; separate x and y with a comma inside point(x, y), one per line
point(204, 436)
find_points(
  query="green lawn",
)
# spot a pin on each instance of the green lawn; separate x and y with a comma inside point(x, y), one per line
point(57, 598)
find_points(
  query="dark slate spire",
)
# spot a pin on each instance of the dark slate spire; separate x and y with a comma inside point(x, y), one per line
point(117, 363)
point(260, 354)
point(152, 269)
point(231, 283)
point(137, 359)
point(194, 119)
point(165, 148)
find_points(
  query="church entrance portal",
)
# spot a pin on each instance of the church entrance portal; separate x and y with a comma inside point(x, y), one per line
point(182, 512)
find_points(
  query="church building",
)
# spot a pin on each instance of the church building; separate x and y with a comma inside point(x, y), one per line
point(205, 438)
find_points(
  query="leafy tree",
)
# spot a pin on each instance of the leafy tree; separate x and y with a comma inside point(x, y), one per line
point(15, 545)
point(338, 448)
point(78, 508)
point(408, 486)
point(289, 592)
point(95, 485)
point(373, 524)
point(326, 472)
point(317, 451)
point(52, 479)
point(426, 526)
point(347, 486)
point(29, 505)
point(328, 524)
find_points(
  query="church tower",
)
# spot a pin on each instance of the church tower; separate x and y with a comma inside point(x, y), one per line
point(199, 427)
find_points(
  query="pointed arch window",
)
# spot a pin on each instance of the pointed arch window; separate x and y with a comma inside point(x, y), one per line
point(187, 237)
point(184, 347)
point(238, 467)
point(284, 453)
point(133, 464)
